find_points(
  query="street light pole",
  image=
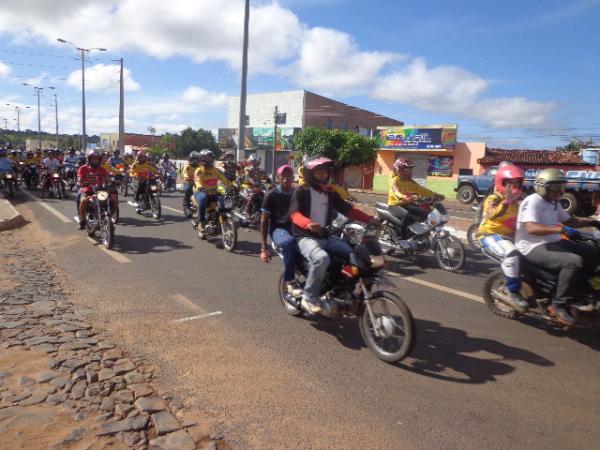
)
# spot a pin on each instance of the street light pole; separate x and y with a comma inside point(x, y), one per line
point(56, 116)
point(242, 124)
point(275, 115)
point(18, 109)
point(82, 52)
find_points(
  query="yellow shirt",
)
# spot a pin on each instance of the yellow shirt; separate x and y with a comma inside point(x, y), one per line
point(190, 172)
point(142, 170)
point(110, 169)
point(399, 189)
point(208, 179)
point(340, 191)
point(502, 220)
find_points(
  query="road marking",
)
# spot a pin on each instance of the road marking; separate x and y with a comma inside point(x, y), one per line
point(445, 289)
point(56, 213)
point(187, 302)
point(172, 209)
point(114, 255)
point(201, 316)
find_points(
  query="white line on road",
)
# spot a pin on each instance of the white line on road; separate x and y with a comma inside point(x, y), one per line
point(56, 213)
point(172, 209)
point(114, 255)
point(201, 316)
point(445, 289)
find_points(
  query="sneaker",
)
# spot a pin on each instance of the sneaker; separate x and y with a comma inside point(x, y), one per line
point(293, 290)
point(82, 224)
point(583, 305)
point(310, 306)
point(562, 315)
point(517, 302)
point(202, 230)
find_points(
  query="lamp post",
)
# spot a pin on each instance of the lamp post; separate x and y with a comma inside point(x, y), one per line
point(56, 117)
point(82, 52)
point(18, 109)
point(242, 124)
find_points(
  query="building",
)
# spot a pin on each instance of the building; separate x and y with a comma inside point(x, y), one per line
point(534, 159)
point(33, 144)
point(110, 141)
point(297, 110)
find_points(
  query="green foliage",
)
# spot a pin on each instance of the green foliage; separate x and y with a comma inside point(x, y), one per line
point(346, 148)
point(197, 140)
point(572, 147)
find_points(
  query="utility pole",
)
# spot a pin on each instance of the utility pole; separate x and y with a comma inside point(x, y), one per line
point(5, 123)
point(275, 117)
point(242, 125)
point(121, 112)
point(18, 109)
point(56, 116)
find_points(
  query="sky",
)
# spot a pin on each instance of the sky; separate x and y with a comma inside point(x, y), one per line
point(515, 74)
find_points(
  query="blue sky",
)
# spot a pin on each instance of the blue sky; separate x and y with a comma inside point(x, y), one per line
point(515, 74)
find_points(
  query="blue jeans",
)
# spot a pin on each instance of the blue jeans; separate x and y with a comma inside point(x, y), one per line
point(316, 252)
point(284, 240)
point(203, 199)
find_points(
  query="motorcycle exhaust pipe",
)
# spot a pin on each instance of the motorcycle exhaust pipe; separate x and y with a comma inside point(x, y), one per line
point(243, 220)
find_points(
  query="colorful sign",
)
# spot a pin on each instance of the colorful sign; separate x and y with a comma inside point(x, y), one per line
point(417, 137)
point(440, 166)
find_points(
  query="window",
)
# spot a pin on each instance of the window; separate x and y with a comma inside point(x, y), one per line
point(330, 123)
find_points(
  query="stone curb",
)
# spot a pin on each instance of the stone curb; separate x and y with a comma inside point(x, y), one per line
point(10, 217)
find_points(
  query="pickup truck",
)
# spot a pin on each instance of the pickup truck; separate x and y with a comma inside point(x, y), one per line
point(581, 196)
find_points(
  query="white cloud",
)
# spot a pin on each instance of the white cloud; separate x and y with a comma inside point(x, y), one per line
point(4, 69)
point(103, 77)
point(330, 61)
point(197, 95)
point(455, 91)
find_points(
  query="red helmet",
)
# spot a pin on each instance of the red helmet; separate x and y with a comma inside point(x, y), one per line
point(508, 172)
point(401, 163)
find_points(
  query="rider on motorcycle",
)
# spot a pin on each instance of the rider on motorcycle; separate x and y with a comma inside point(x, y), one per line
point(206, 179)
point(142, 170)
point(70, 163)
point(230, 167)
point(90, 174)
point(6, 164)
point(115, 159)
point(190, 171)
point(253, 181)
point(312, 208)
point(342, 192)
point(404, 192)
point(540, 223)
point(497, 229)
point(166, 166)
point(50, 164)
point(275, 221)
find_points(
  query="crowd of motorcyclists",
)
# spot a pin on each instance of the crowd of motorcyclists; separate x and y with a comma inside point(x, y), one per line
point(295, 216)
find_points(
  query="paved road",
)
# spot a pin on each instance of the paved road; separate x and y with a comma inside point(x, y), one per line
point(268, 380)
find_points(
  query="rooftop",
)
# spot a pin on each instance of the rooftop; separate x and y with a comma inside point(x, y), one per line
point(532, 157)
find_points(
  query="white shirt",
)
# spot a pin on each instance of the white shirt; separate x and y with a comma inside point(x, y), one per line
point(318, 207)
point(51, 164)
point(535, 209)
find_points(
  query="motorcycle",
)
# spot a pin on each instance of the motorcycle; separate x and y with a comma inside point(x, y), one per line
point(54, 185)
point(169, 182)
point(31, 177)
point(474, 228)
point(431, 235)
point(538, 287)
point(352, 290)
point(251, 220)
point(220, 219)
point(70, 177)
point(148, 199)
point(8, 183)
point(99, 216)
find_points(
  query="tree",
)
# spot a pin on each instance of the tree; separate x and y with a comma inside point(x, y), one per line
point(572, 147)
point(346, 148)
point(197, 140)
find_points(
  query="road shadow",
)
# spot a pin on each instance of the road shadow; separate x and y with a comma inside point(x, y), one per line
point(586, 334)
point(450, 354)
point(141, 221)
point(345, 331)
point(143, 245)
point(248, 248)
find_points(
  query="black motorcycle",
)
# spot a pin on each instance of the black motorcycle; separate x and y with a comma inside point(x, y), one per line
point(54, 185)
point(220, 220)
point(352, 290)
point(431, 235)
point(31, 177)
point(70, 177)
point(538, 287)
point(8, 183)
point(148, 199)
point(99, 216)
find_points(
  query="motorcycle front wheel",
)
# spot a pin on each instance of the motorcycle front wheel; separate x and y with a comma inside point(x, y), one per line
point(155, 207)
point(392, 334)
point(472, 237)
point(493, 288)
point(229, 234)
point(291, 304)
point(450, 253)
point(107, 232)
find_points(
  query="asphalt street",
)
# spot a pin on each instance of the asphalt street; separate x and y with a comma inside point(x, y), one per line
point(213, 323)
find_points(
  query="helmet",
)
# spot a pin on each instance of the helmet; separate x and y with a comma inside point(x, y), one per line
point(206, 157)
point(142, 157)
point(254, 159)
point(401, 163)
point(504, 164)
point(29, 153)
point(117, 152)
point(283, 169)
point(547, 177)
point(94, 159)
point(312, 163)
point(229, 153)
point(165, 155)
point(507, 172)
point(71, 151)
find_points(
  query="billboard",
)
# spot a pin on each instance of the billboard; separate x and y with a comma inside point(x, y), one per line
point(259, 138)
point(440, 166)
point(417, 137)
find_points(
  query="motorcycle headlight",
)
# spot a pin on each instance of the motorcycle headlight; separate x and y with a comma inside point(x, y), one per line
point(55, 175)
point(153, 187)
point(102, 196)
point(8, 175)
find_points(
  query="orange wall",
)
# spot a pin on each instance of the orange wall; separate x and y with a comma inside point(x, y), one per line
point(466, 155)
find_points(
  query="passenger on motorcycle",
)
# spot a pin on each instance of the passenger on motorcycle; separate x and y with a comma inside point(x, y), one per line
point(166, 165)
point(15, 156)
point(115, 159)
point(253, 183)
point(230, 167)
point(90, 174)
point(275, 221)
point(6, 164)
point(404, 191)
point(206, 180)
point(313, 207)
point(50, 164)
point(540, 223)
point(70, 162)
point(497, 229)
point(190, 171)
point(142, 170)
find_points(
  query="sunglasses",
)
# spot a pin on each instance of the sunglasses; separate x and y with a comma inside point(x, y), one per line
point(556, 187)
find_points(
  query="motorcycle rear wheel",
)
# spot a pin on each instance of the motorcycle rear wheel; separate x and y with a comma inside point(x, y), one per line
point(448, 262)
point(471, 237)
point(387, 237)
point(155, 207)
point(398, 325)
point(292, 308)
point(494, 283)
point(229, 234)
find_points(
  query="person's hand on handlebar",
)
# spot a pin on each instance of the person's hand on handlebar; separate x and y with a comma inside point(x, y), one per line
point(314, 227)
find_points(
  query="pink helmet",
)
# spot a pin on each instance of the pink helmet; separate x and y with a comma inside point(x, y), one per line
point(508, 172)
point(283, 169)
point(402, 163)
